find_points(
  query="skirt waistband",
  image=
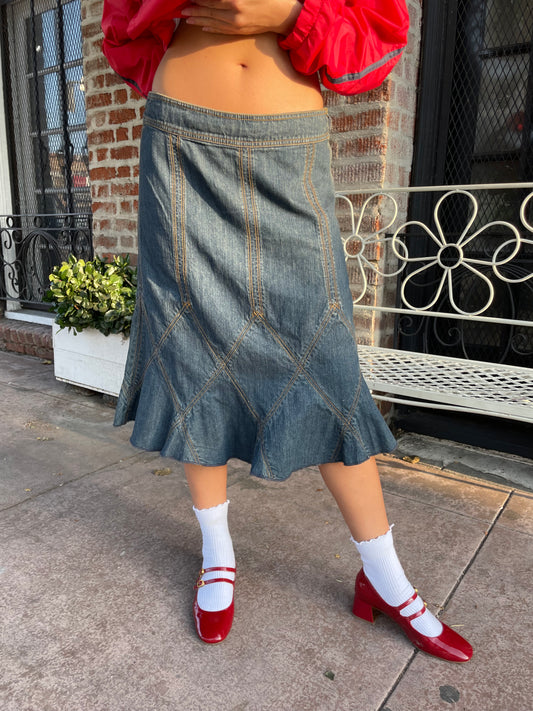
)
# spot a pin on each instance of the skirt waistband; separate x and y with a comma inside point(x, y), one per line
point(225, 128)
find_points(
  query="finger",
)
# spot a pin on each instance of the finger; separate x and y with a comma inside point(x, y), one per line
point(224, 30)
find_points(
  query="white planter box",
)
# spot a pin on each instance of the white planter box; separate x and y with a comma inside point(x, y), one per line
point(90, 359)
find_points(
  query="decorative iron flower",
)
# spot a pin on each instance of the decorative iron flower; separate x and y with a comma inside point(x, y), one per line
point(358, 247)
point(451, 255)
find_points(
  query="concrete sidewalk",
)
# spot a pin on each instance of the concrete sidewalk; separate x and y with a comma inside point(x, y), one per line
point(99, 551)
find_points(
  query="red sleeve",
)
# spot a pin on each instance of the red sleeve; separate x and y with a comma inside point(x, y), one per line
point(354, 44)
point(136, 36)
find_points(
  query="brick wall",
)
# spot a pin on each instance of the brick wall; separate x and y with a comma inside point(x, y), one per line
point(28, 338)
point(372, 144)
point(114, 115)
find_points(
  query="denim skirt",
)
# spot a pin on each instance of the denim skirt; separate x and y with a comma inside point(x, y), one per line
point(242, 342)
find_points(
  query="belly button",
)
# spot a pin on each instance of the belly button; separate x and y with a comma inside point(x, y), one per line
point(244, 66)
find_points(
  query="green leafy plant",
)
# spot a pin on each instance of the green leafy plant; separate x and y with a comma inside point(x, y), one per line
point(93, 294)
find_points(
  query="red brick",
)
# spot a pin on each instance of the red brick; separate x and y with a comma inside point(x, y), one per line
point(102, 191)
point(96, 138)
point(120, 96)
point(124, 153)
point(393, 120)
point(355, 174)
point(96, 118)
point(124, 189)
point(112, 79)
point(121, 115)
point(365, 146)
point(109, 242)
point(358, 121)
point(94, 9)
point(102, 173)
point(104, 208)
point(126, 225)
point(123, 171)
point(136, 132)
point(96, 64)
point(126, 242)
point(101, 154)
point(94, 101)
point(122, 134)
point(98, 81)
point(91, 30)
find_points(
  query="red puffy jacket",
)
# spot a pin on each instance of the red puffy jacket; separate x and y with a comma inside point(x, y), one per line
point(352, 43)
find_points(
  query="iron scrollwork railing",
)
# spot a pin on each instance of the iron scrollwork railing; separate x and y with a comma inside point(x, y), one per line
point(31, 245)
point(465, 293)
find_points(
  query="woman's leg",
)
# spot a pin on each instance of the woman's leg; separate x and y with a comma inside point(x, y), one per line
point(208, 491)
point(357, 491)
point(206, 484)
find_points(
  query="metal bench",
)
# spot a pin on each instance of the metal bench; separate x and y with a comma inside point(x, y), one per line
point(407, 289)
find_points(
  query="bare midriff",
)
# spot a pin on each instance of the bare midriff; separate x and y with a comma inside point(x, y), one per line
point(240, 74)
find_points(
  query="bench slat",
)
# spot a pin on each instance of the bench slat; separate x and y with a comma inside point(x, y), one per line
point(475, 385)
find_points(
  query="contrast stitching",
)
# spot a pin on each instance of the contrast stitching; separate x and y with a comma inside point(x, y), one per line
point(301, 370)
point(174, 208)
point(349, 416)
point(178, 413)
point(264, 457)
point(257, 234)
point(300, 363)
point(328, 232)
point(155, 349)
point(307, 182)
point(221, 367)
point(163, 338)
point(237, 142)
point(135, 358)
point(224, 362)
point(183, 224)
point(248, 233)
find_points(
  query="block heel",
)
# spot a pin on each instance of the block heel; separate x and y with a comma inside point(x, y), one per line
point(448, 645)
point(363, 610)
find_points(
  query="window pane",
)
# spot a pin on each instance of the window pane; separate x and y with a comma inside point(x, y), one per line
point(502, 103)
point(72, 31)
point(508, 22)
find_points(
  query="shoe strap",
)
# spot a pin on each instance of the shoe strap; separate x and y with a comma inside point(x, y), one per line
point(200, 582)
point(405, 604)
point(219, 567)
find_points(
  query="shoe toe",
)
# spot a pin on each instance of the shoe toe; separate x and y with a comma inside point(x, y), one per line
point(448, 645)
point(213, 627)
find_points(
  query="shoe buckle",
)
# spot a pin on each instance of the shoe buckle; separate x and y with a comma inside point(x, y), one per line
point(200, 583)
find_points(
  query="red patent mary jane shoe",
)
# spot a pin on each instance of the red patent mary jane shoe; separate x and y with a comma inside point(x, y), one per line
point(212, 627)
point(448, 645)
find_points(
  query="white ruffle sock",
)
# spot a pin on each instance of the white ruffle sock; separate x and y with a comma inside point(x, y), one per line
point(217, 550)
point(385, 573)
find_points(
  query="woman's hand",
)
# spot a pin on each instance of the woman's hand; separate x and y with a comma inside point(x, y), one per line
point(243, 17)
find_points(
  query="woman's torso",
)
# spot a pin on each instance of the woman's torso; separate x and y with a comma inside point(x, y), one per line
point(239, 74)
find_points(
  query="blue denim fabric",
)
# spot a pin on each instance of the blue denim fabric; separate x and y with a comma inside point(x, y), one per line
point(243, 342)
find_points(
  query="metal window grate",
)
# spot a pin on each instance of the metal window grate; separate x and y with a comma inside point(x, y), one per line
point(42, 45)
point(482, 134)
point(48, 106)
